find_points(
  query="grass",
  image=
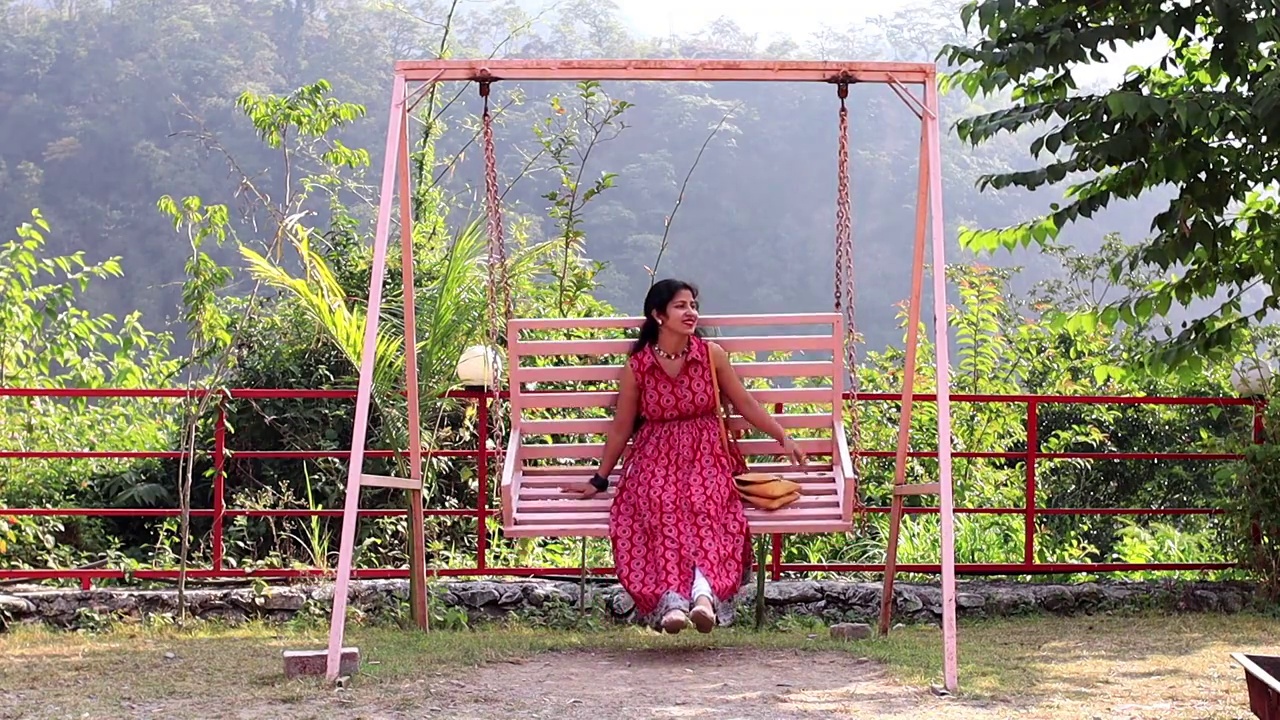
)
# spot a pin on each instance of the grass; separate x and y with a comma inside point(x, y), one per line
point(1176, 666)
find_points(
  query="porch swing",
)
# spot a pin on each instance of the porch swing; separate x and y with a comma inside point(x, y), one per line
point(533, 472)
point(546, 452)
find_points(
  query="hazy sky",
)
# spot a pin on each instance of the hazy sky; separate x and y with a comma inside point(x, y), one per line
point(799, 18)
point(765, 17)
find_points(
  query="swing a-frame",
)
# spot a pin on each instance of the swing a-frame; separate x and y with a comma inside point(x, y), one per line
point(530, 507)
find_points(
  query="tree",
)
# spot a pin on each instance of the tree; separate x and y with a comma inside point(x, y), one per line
point(1200, 122)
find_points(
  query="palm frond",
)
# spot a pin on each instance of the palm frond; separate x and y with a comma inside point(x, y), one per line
point(453, 308)
point(526, 259)
point(321, 297)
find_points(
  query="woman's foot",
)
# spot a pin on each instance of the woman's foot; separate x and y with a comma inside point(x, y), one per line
point(674, 621)
point(703, 615)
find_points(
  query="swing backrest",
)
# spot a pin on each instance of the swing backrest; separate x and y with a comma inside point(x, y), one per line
point(563, 376)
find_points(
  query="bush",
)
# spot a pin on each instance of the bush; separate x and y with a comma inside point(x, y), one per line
point(1249, 492)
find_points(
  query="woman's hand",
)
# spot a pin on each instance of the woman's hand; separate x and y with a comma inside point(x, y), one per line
point(793, 451)
point(582, 490)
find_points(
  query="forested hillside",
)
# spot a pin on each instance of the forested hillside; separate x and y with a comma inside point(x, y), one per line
point(105, 106)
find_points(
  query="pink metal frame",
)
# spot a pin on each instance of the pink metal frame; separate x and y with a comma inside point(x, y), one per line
point(897, 75)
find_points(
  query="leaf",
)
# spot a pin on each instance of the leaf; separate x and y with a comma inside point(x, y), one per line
point(1163, 301)
point(1143, 309)
point(1110, 316)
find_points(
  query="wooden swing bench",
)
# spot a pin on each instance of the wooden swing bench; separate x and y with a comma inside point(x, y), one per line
point(548, 451)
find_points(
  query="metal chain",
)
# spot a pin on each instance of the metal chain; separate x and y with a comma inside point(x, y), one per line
point(844, 284)
point(498, 290)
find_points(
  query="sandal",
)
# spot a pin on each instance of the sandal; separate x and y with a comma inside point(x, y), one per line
point(675, 621)
point(703, 617)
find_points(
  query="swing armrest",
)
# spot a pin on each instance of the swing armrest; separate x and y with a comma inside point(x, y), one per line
point(510, 486)
point(846, 482)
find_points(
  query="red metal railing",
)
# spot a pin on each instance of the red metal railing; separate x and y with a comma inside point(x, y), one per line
point(482, 455)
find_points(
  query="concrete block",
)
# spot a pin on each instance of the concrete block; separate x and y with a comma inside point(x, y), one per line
point(850, 631)
point(313, 662)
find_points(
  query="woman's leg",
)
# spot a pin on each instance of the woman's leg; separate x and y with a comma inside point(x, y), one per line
point(703, 614)
point(701, 587)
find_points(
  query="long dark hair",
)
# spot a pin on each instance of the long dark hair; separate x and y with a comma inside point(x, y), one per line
point(660, 296)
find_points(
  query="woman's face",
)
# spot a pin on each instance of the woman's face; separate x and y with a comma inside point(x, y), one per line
point(682, 314)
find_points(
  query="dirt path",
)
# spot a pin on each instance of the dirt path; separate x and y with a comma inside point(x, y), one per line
point(701, 684)
point(1175, 668)
point(710, 684)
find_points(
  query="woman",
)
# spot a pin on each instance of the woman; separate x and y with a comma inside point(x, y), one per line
point(680, 540)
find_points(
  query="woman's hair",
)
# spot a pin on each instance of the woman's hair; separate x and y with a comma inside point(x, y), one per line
point(660, 296)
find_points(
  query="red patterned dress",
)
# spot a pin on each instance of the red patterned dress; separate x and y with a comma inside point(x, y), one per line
point(676, 507)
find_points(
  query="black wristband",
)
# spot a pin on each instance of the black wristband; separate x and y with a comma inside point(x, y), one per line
point(599, 483)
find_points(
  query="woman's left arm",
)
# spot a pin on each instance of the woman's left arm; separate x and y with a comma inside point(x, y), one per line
point(732, 388)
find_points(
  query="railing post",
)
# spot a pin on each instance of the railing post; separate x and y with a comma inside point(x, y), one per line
point(219, 478)
point(482, 484)
point(775, 543)
point(1259, 438)
point(1033, 450)
point(1259, 428)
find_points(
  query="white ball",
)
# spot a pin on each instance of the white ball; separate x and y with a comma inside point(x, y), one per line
point(479, 366)
point(1252, 378)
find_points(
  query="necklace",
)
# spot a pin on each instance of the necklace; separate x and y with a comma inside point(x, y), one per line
point(671, 356)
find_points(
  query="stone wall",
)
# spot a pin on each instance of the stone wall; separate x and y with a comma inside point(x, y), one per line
point(830, 601)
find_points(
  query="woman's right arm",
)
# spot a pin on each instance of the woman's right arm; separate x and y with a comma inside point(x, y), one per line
point(624, 422)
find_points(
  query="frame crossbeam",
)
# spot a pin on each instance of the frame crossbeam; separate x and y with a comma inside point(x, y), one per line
point(667, 71)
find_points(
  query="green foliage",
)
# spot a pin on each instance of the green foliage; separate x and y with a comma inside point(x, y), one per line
point(324, 301)
point(1199, 122)
point(308, 112)
point(48, 339)
point(1249, 490)
point(208, 325)
point(558, 614)
point(1164, 542)
point(1004, 347)
point(567, 140)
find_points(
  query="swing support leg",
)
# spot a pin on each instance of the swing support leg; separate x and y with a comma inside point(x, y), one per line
point(942, 359)
point(364, 392)
point(908, 392)
point(930, 188)
point(417, 521)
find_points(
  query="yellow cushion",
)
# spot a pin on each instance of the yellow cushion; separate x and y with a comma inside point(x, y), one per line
point(755, 478)
point(770, 503)
point(770, 489)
